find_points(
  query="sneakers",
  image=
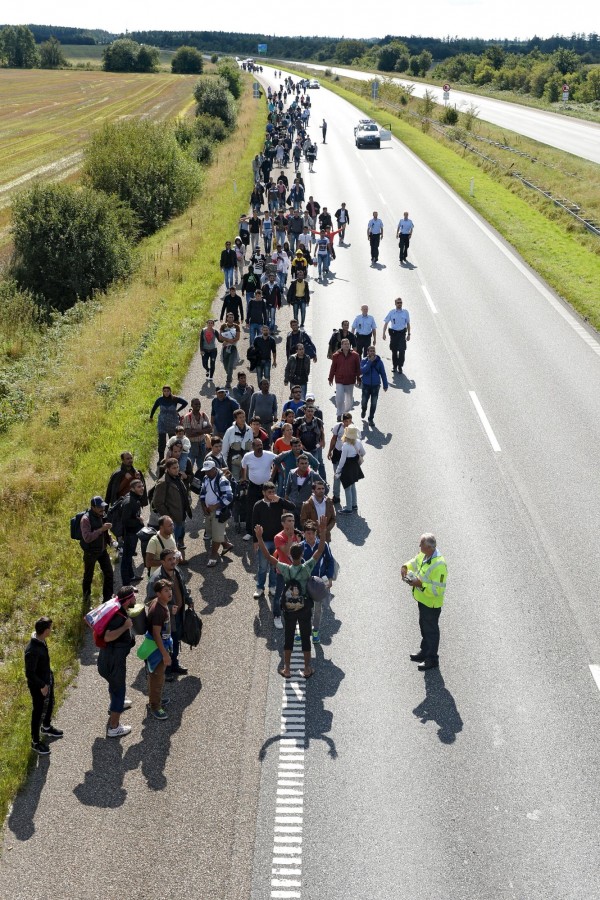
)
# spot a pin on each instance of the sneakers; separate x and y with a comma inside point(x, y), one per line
point(119, 731)
point(40, 748)
point(297, 640)
point(272, 591)
point(159, 714)
point(316, 636)
point(258, 594)
point(277, 622)
point(127, 704)
point(179, 670)
point(51, 731)
point(247, 537)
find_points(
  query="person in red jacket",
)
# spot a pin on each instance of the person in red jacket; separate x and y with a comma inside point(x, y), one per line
point(345, 371)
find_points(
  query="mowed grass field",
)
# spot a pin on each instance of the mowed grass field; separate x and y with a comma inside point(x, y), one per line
point(47, 116)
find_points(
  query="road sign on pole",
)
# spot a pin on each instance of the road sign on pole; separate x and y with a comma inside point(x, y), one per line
point(446, 87)
point(565, 92)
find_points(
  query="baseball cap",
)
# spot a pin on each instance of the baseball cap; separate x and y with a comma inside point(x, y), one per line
point(98, 501)
point(208, 464)
point(310, 397)
point(221, 390)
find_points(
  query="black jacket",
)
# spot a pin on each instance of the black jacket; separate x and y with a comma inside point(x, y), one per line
point(132, 511)
point(269, 516)
point(228, 259)
point(37, 664)
point(257, 313)
point(114, 482)
point(232, 305)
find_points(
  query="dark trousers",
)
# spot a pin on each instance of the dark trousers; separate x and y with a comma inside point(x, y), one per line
point(404, 242)
point(430, 631)
point(89, 564)
point(42, 709)
point(209, 358)
point(369, 391)
point(163, 436)
point(303, 617)
point(176, 629)
point(363, 341)
point(130, 540)
point(254, 495)
point(398, 347)
point(374, 240)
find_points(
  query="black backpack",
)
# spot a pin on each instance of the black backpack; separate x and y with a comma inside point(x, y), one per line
point(192, 627)
point(76, 534)
point(115, 517)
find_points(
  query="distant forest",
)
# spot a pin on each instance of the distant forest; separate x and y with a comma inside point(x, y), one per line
point(324, 49)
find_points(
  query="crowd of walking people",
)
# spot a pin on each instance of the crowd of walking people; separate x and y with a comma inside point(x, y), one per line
point(251, 461)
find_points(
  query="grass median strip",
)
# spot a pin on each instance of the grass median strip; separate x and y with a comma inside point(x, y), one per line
point(93, 404)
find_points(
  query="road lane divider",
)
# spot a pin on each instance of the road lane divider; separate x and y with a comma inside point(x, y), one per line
point(286, 863)
point(595, 670)
point(485, 422)
point(429, 300)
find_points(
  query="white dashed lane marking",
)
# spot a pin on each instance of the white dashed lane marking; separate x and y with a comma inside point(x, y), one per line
point(286, 868)
point(485, 422)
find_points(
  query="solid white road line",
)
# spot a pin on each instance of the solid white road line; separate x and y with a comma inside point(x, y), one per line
point(484, 421)
point(595, 670)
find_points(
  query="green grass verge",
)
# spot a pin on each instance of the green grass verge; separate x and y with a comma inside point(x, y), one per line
point(571, 269)
point(97, 400)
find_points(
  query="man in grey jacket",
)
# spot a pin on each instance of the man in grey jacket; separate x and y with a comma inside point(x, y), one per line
point(299, 485)
point(264, 404)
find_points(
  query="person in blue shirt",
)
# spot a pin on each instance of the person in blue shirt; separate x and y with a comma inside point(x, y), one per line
point(295, 402)
point(372, 373)
point(323, 570)
point(221, 412)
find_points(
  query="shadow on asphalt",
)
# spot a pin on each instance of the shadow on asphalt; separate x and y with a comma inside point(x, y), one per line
point(21, 821)
point(439, 706)
point(319, 721)
point(373, 437)
point(355, 529)
point(402, 382)
point(103, 783)
point(217, 590)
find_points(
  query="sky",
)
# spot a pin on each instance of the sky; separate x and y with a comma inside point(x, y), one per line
point(334, 18)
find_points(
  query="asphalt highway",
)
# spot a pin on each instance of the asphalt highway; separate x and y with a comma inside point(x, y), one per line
point(372, 781)
point(477, 781)
point(567, 133)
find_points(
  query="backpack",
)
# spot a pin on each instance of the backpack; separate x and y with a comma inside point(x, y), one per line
point(76, 534)
point(97, 619)
point(191, 631)
point(293, 596)
point(115, 517)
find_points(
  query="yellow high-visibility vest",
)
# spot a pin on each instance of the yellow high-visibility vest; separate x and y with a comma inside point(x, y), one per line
point(434, 575)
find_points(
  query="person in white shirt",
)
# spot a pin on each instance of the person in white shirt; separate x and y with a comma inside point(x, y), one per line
point(186, 445)
point(162, 540)
point(237, 441)
point(398, 320)
point(365, 329)
point(375, 236)
point(349, 468)
point(404, 232)
point(256, 470)
point(335, 450)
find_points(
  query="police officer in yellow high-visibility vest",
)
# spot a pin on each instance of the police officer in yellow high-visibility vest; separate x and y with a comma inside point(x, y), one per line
point(427, 574)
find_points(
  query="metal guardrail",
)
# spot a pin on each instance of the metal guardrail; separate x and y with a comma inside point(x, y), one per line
point(568, 206)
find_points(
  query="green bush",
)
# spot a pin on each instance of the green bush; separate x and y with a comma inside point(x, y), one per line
point(187, 61)
point(143, 165)
point(229, 71)
point(215, 99)
point(51, 55)
point(204, 151)
point(69, 242)
point(125, 55)
point(449, 116)
point(214, 58)
point(210, 127)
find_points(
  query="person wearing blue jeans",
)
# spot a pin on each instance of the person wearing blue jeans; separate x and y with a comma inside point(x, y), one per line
point(257, 315)
point(228, 263)
point(372, 372)
point(267, 513)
